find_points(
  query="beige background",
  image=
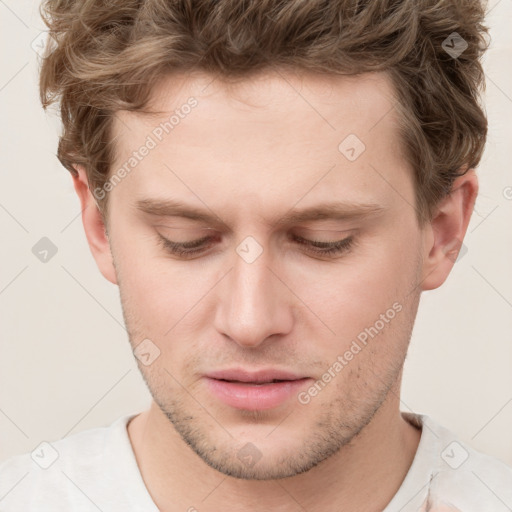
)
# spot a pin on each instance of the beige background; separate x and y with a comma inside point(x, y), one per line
point(65, 362)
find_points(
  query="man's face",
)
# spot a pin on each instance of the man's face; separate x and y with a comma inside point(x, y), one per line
point(256, 296)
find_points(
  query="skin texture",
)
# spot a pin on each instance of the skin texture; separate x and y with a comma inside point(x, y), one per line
point(249, 153)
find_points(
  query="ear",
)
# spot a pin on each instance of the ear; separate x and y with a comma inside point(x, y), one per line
point(94, 226)
point(444, 234)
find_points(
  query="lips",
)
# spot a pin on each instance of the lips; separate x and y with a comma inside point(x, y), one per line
point(254, 390)
point(254, 377)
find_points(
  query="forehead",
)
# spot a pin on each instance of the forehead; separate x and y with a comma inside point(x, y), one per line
point(337, 103)
point(363, 99)
point(277, 134)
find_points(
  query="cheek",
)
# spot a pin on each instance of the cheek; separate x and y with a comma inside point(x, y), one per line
point(363, 285)
point(366, 302)
point(161, 295)
point(156, 288)
point(347, 295)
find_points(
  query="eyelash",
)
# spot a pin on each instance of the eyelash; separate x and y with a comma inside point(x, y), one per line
point(195, 247)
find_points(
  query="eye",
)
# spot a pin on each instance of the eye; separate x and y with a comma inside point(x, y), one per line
point(317, 247)
point(184, 248)
point(322, 248)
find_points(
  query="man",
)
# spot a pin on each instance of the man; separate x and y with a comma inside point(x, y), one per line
point(271, 185)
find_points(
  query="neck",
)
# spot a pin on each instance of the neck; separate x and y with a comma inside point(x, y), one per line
point(363, 475)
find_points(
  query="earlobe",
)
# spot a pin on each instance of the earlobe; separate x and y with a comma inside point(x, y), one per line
point(94, 226)
point(445, 233)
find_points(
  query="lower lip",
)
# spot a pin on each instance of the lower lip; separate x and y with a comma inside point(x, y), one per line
point(254, 397)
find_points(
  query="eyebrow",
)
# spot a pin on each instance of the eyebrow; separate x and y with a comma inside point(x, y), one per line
point(326, 211)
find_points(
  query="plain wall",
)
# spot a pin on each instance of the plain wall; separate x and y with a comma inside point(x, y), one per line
point(65, 361)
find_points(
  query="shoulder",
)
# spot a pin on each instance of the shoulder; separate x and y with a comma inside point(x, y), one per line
point(460, 478)
point(56, 473)
point(470, 479)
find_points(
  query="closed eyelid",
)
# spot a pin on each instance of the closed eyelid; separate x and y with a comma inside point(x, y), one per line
point(328, 249)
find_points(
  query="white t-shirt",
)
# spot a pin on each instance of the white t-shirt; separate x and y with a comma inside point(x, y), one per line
point(96, 470)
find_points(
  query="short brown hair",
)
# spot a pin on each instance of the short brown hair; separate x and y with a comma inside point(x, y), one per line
point(106, 55)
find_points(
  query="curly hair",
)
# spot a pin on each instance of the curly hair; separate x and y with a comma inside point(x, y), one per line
point(104, 56)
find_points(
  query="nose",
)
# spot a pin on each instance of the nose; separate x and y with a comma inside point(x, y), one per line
point(253, 303)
